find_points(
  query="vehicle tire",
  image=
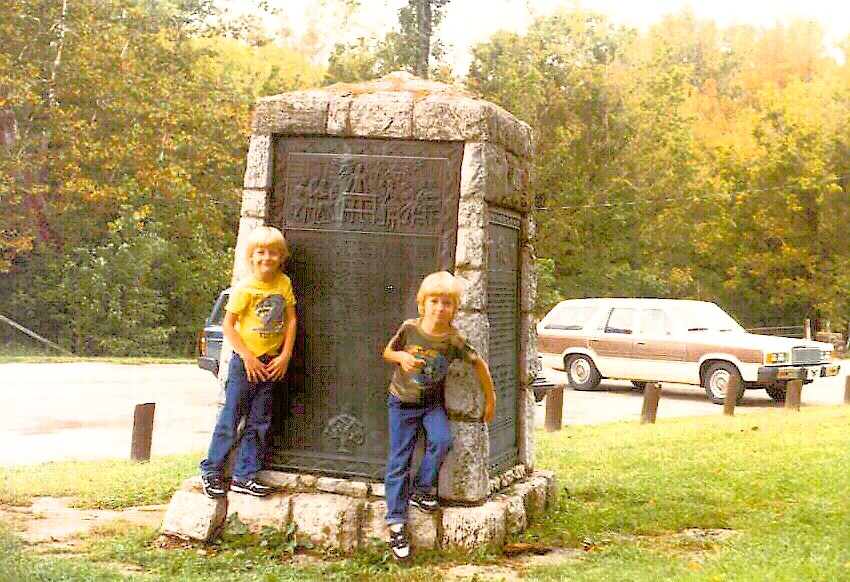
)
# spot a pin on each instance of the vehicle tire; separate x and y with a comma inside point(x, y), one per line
point(717, 378)
point(777, 391)
point(639, 385)
point(581, 372)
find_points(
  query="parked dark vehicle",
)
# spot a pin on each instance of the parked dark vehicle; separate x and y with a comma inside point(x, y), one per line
point(210, 338)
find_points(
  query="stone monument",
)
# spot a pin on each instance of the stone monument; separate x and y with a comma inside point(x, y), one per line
point(375, 185)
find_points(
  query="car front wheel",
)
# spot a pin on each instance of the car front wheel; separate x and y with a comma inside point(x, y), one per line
point(777, 391)
point(581, 372)
point(639, 385)
point(717, 379)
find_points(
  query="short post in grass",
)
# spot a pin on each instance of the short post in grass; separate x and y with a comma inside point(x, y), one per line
point(140, 446)
point(847, 390)
point(651, 394)
point(554, 408)
point(733, 389)
point(793, 394)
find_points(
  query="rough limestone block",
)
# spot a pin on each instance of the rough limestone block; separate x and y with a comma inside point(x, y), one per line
point(280, 480)
point(471, 250)
point(515, 135)
point(464, 399)
point(338, 115)
point(472, 213)
point(527, 278)
point(473, 527)
point(258, 168)
point(533, 493)
point(551, 484)
point(484, 172)
point(518, 181)
point(256, 512)
point(529, 359)
point(463, 476)
point(525, 429)
point(529, 228)
point(421, 526)
point(476, 328)
point(329, 520)
point(515, 517)
point(441, 116)
point(307, 481)
point(296, 113)
point(241, 266)
point(343, 487)
point(382, 114)
point(474, 295)
point(193, 515)
point(253, 203)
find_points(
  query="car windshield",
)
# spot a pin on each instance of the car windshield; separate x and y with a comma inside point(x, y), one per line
point(217, 315)
point(705, 317)
point(570, 317)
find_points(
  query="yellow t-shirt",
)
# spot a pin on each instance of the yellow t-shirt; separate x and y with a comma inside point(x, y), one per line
point(261, 312)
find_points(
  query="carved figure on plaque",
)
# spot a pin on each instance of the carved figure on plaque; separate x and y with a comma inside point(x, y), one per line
point(422, 348)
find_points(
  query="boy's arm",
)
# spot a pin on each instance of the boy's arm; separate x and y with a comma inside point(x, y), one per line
point(483, 373)
point(408, 362)
point(278, 366)
point(254, 368)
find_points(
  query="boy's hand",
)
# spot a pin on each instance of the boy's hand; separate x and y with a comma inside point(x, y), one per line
point(254, 369)
point(277, 367)
point(409, 363)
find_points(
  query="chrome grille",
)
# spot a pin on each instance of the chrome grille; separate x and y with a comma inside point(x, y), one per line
point(805, 356)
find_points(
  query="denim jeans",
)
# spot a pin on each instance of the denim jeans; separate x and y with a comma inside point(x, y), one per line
point(404, 425)
point(241, 398)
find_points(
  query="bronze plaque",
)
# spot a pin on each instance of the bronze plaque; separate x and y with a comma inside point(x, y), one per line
point(365, 220)
point(503, 231)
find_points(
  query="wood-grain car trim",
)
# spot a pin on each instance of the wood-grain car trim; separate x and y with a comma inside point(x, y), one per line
point(557, 345)
point(743, 355)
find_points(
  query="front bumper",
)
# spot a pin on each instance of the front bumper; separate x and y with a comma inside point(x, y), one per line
point(768, 374)
point(210, 364)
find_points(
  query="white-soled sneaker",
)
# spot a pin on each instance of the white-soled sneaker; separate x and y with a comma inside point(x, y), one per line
point(251, 487)
point(399, 544)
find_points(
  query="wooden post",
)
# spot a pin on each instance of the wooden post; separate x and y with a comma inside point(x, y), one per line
point(651, 394)
point(732, 390)
point(140, 446)
point(847, 390)
point(807, 329)
point(793, 394)
point(555, 408)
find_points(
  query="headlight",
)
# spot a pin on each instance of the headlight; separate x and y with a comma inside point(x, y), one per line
point(776, 358)
point(827, 355)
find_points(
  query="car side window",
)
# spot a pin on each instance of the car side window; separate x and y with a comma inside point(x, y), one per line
point(620, 320)
point(654, 322)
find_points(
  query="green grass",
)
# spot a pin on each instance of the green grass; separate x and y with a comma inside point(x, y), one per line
point(112, 484)
point(779, 481)
point(36, 353)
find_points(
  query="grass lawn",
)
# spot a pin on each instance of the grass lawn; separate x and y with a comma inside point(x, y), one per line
point(775, 485)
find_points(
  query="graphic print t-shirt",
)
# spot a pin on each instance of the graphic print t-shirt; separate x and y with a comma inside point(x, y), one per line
point(261, 312)
point(425, 385)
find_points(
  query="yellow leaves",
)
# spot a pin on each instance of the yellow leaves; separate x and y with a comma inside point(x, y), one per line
point(694, 566)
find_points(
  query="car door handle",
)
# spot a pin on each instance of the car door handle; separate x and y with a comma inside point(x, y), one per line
point(641, 343)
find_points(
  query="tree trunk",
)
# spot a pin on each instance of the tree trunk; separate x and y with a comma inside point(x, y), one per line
point(423, 21)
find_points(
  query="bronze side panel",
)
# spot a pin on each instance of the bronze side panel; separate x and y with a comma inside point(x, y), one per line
point(365, 220)
point(745, 355)
point(659, 349)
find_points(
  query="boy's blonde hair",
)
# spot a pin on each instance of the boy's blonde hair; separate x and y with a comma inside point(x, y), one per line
point(440, 283)
point(268, 237)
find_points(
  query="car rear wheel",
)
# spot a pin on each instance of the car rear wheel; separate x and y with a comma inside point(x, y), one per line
point(718, 378)
point(777, 391)
point(581, 372)
point(638, 385)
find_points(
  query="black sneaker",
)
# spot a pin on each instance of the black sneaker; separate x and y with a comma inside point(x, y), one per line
point(213, 486)
point(251, 487)
point(424, 501)
point(399, 544)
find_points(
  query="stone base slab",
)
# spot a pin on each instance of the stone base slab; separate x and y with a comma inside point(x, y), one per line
point(345, 521)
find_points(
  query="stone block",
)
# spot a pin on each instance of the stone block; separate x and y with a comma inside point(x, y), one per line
point(296, 113)
point(241, 266)
point(280, 480)
point(473, 527)
point(258, 167)
point(527, 278)
point(442, 116)
point(474, 296)
point(307, 481)
point(256, 512)
point(529, 228)
point(193, 515)
point(533, 493)
point(382, 114)
point(422, 526)
point(515, 517)
point(472, 213)
point(525, 428)
point(463, 476)
point(471, 250)
point(476, 327)
point(464, 398)
point(529, 359)
point(515, 135)
point(253, 203)
point(551, 480)
point(377, 489)
point(343, 486)
point(329, 520)
point(338, 115)
point(484, 172)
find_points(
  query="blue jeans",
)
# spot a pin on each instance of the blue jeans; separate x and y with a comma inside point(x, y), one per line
point(241, 398)
point(404, 425)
